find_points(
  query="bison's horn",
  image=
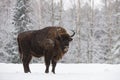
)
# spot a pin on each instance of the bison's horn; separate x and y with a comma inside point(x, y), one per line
point(73, 33)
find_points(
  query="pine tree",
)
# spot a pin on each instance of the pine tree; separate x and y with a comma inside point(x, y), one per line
point(21, 17)
point(22, 23)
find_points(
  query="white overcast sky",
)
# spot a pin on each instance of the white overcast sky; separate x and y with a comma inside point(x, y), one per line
point(68, 4)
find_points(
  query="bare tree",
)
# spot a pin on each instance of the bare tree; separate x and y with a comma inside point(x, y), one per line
point(61, 8)
point(109, 22)
point(40, 12)
point(78, 28)
point(117, 12)
point(110, 30)
point(90, 34)
point(52, 18)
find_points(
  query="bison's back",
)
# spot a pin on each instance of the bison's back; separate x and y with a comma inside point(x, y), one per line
point(51, 32)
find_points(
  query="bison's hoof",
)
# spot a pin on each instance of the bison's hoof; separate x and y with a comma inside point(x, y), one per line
point(46, 71)
point(53, 72)
point(27, 72)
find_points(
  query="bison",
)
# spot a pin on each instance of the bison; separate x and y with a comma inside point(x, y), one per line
point(51, 42)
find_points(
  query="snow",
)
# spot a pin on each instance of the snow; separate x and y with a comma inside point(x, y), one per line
point(63, 72)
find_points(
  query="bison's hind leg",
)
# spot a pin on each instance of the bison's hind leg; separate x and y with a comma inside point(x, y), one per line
point(47, 62)
point(26, 60)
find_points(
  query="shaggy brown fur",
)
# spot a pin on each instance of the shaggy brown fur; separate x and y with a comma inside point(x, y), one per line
point(50, 42)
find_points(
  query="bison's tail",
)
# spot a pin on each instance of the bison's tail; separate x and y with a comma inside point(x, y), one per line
point(19, 48)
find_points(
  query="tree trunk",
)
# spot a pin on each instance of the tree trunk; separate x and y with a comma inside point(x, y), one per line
point(90, 35)
point(109, 32)
point(52, 18)
point(39, 13)
point(61, 7)
point(78, 29)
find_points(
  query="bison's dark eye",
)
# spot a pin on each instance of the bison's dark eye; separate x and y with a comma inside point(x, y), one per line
point(68, 39)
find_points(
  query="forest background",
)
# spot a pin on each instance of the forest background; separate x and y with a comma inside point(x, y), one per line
point(97, 27)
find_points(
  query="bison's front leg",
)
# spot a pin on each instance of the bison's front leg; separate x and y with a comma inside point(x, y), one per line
point(53, 65)
point(47, 63)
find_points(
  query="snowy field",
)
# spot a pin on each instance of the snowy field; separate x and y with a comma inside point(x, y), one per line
point(63, 72)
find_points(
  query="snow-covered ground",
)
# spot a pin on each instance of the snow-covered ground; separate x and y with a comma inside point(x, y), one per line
point(63, 72)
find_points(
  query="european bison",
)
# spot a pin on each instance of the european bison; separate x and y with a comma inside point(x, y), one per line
point(50, 42)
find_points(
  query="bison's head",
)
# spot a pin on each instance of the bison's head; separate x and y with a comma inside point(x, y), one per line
point(64, 40)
